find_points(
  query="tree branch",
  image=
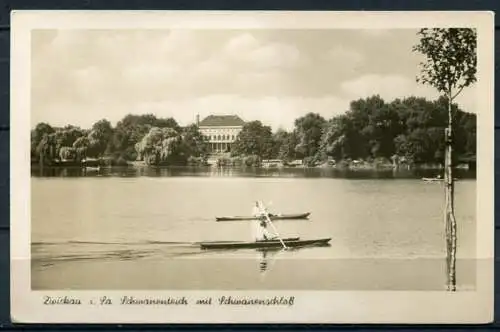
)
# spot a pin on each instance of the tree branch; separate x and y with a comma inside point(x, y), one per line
point(456, 94)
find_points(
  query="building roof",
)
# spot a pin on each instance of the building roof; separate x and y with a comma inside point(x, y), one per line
point(222, 121)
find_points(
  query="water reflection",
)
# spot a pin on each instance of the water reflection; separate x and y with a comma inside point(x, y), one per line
point(268, 256)
point(145, 171)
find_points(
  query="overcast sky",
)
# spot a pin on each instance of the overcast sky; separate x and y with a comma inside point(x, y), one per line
point(82, 76)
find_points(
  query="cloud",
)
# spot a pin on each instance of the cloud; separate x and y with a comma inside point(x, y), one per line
point(83, 76)
point(154, 65)
point(153, 73)
point(393, 86)
point(345, 56)
point(278, 112)
point(240, 44)
point(274, 111)
point(375, 32)
point(245, 49)
point(387, 86)
point(275, 56)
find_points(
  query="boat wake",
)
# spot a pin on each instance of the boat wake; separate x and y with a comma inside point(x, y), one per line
point(49, 253)
point(44, 254)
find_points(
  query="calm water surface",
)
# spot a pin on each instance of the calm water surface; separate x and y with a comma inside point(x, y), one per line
point(139, 228)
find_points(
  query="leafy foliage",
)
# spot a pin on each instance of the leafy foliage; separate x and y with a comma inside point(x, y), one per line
point(100, 137)
point(451, 58)
point(309, 130)
point(42, 129)
point(194, 143)
point(412, 127)
point(159, 146)
point(131, 129)
point(371, 128)
point(284, 145)
point(254, 139)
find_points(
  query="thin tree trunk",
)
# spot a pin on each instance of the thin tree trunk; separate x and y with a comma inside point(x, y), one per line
point(450, 222)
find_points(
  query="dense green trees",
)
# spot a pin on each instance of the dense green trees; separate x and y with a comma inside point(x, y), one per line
point(100, 137)
point(370, 129)
point(136, 137)
point(254, 139)
point(131, 129)
point(308, 130)
point(412, 128)
point(194, 143)
point(284, 144)
point(159, 146)
point(41, 130)
point(49, 144)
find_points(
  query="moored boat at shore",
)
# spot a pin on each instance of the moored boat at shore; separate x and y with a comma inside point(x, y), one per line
point(436, 179)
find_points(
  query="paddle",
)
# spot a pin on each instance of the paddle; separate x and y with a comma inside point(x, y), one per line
point(266, 214)
point(271, 204)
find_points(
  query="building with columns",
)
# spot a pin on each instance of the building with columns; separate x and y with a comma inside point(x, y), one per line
point(221, 131)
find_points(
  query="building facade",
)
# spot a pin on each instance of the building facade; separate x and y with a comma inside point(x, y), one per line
point(221, 131)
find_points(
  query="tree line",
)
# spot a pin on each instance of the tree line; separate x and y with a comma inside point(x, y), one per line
point(412, 128)
point(136, 137)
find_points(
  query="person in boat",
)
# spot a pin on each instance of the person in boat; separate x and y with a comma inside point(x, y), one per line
point(256, 212)
point(261, 233)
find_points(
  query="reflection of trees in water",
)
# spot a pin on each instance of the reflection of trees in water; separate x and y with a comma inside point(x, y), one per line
point(222, 171)
point(135, 171)
point(57, 172)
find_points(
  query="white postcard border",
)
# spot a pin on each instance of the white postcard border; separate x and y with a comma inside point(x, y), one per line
point(309, 307)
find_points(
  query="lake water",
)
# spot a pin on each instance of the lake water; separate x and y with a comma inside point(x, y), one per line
point(137, 228)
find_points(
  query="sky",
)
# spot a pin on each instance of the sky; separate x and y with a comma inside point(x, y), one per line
point(82, 76)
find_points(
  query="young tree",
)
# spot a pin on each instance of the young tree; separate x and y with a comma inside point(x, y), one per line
point(449, 66)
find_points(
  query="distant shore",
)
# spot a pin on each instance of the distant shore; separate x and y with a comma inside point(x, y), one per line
point(342, 165)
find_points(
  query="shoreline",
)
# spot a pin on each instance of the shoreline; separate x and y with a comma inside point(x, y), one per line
point(341, 165)
point(374, 168)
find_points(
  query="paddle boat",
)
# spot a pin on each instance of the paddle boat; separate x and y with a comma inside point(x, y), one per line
point(276, 242)
point(436, 179)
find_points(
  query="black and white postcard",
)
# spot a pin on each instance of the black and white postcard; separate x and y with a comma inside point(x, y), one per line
point(252, 167)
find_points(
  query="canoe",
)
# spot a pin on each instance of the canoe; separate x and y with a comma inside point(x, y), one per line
point(291, 242)
point(272, 216)
point(435, 179)
point(432, 179)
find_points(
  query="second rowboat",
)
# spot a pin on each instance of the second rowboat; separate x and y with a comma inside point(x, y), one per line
point(272, 216)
